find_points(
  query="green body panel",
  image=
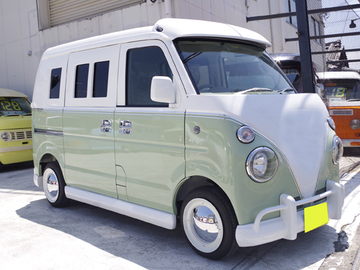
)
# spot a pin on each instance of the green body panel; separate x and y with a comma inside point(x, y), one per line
point(217, 154)
point(152, 157)
point(89, 152)
point(44, 144)
point(147, 166)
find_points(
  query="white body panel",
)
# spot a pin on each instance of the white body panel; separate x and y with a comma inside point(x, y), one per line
point(159, 218)
point(289, 121)
point(349, 75)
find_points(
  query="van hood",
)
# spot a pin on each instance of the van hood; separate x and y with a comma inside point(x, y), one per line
point(295, 123)
point(15, 122)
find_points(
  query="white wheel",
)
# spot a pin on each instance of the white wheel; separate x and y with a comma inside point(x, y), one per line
point(209, 222)
point(203, 225)
point(54, 185)
point(51, 185)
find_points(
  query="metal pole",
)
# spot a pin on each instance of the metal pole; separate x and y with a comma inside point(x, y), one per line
point(304, 47)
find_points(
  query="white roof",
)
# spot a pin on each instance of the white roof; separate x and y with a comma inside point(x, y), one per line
point(338, 75)
point(10, 93)
point(165, 29)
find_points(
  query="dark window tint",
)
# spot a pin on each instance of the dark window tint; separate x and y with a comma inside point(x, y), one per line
point(142, 65)
point(55, 83)
point(101, 76)
point(81, 80)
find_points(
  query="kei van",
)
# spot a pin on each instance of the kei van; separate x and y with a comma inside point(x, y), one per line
point(191, 120)
point(15, 128)
point(342, 95)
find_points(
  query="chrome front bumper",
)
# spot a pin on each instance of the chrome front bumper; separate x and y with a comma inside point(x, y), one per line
point(291, 221)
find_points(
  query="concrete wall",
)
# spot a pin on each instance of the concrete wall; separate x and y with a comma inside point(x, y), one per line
point(22, 44)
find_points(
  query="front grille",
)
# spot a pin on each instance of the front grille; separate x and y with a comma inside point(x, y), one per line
point(341, 112)
point(21, 135)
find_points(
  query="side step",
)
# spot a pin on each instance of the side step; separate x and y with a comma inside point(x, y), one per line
point(149, 215)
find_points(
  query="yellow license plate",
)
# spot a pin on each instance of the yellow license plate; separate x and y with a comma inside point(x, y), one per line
point(315, 216)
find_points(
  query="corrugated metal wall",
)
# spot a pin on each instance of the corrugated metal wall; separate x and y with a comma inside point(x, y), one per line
point(64, 11)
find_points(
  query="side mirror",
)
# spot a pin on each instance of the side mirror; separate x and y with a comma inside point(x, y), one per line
point(162, 90)
point(320, 90)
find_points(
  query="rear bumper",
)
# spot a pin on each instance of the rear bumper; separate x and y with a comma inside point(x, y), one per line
point(291, 221)
point(38, 180)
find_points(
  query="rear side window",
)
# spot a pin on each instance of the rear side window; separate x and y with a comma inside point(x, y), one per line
point(81, 81)
point(101, 77)
point(55, 83)
point(142, 65)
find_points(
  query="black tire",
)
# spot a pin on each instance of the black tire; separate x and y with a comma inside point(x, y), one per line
point(54, 185)
point(209, 223)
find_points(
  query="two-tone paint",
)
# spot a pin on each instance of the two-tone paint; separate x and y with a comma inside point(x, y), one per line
point(342, 94)
point(143, 162)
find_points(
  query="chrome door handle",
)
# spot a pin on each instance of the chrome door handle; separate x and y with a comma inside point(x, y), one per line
point(105, 126)
point(125, 127)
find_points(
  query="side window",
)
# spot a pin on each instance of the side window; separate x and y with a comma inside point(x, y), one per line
point(141, 66)
point(55, 83)
point(81, 81)
point(101, 77)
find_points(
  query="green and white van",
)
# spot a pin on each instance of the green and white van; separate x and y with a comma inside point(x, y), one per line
point(186, 119)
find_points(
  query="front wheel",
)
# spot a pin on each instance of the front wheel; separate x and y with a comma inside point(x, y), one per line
point(54, 185)
point(209, 223)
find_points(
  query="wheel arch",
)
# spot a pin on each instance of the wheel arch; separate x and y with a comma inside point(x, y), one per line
point(193, 183)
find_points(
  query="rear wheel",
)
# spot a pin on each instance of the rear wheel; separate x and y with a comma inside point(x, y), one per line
point(209, 223)
point(54, 185)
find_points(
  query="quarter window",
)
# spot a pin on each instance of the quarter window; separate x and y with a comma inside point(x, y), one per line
point(81, 81)
point(142, 65)
point(55, 83)
point(101, 77)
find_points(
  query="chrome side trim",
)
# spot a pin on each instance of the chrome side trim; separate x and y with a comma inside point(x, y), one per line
point(143, 213)
point(48, 132)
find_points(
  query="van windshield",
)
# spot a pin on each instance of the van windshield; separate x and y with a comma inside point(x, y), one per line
point(341, 92)
point(14, 106)
point(229, 67)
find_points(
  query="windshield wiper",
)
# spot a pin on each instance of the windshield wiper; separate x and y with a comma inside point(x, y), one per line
point(251, 90)
point(285, 90)
point(353, 99)
point(191, 56)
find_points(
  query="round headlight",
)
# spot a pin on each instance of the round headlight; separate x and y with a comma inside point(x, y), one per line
point(337, 149)
point(331, 123)
point(261, 164)
point(5, 136)
point(245, 134)
point(355, 124)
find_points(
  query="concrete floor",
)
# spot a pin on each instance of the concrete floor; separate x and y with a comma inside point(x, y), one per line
point(35, 235)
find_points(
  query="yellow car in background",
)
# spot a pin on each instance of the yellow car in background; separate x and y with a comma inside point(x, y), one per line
point(15, 127)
